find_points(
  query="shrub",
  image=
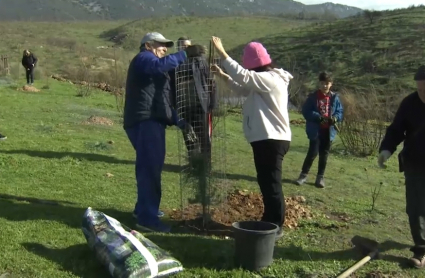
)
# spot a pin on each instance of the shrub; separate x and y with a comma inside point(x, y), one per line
point(364, 123)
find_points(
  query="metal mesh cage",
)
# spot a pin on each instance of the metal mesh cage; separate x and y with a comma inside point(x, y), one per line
point(202, 149)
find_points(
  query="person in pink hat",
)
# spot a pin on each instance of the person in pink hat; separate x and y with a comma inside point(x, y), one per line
point(265, 119)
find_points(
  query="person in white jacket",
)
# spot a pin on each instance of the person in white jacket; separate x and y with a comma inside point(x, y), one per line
point(265, 119)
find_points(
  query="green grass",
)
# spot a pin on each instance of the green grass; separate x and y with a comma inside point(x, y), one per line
point(50, 155)
point(69, 47)
point(364, 57)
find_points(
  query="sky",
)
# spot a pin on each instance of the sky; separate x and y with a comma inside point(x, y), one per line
point(369, 4)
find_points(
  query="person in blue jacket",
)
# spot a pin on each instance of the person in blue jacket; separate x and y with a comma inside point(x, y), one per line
point(322, 111)
point(147, 113)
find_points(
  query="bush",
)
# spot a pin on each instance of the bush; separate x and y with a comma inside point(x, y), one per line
point(84, 76)
point(364, 125)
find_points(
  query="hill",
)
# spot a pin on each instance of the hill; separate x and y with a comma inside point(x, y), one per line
point(378, 51)
point(81, 48)
point(61, 10)
point(373, 52)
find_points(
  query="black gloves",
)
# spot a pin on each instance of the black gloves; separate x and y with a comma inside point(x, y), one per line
point(189, 134)
point(323, 120)
point(330, 121)
point(195, 50)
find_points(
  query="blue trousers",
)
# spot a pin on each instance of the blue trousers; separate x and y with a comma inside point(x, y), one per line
point(148, 140)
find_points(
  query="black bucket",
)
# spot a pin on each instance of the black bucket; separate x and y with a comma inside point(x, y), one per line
point(254, 244)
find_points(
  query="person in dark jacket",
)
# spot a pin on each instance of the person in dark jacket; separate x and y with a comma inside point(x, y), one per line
point(409, 126)
point(193, 97)
point(147, 113)
point(29, 61)
point(322, 111)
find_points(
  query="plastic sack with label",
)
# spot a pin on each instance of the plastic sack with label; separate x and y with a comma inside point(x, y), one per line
point(126, 253)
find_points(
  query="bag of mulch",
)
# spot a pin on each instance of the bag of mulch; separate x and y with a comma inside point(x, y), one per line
point(126, 253)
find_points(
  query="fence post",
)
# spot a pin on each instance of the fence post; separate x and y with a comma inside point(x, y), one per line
point(5, 63)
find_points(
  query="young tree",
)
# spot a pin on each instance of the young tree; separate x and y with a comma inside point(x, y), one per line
point(371, 15)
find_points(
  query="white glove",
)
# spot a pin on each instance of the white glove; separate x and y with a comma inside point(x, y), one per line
point(382, 158)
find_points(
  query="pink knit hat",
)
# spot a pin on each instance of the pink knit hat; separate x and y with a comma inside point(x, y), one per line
point(255, 55)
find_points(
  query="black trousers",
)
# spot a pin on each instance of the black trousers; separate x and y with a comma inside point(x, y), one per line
point(198, 119)
point(415, 208)
point(319, 146)
point(30, 75)
point(268, 158)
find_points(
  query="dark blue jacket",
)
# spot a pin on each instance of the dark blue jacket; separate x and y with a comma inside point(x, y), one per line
point(147, 92)
point(28, 61)
point(408, 126)
point(312, 115)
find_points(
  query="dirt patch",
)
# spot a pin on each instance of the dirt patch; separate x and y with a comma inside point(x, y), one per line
point(94, 120)
point(59, 78)
point(101, 86)
point(297, 122)
point(239, 206)
point(339, 216)
point(28, 88)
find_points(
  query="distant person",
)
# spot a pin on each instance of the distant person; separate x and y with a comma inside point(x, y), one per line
point(147, 113)
point(265, 119)
point(409, 126)
point(194, 98)
point(322, 111)
point(29, 62)
point(183, 43)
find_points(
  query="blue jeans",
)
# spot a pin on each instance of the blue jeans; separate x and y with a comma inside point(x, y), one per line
point(148, 140)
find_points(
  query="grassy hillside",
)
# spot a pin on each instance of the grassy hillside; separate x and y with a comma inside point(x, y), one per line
point(68, 10)
point(380, 52)
point(53, 166)
point(361, 52)
point(376, 54)
point(68, 48)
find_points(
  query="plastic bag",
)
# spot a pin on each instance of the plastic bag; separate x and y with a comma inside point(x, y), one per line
point(126, 253)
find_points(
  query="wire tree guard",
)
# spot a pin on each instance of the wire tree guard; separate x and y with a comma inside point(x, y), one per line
point(202, 149)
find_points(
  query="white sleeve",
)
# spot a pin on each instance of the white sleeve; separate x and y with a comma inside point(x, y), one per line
point(237, 88)
point(259, 81)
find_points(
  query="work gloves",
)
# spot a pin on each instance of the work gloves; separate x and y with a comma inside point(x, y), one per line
point(195, 50)
point(188, 132)
point(383, 157)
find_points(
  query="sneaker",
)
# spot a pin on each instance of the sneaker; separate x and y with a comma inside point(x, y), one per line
point(160, 214)
point(279, 233)
point(2, 137)
point(301, 179)
point(158, 228)
point(417, 261)
point(320, 182)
